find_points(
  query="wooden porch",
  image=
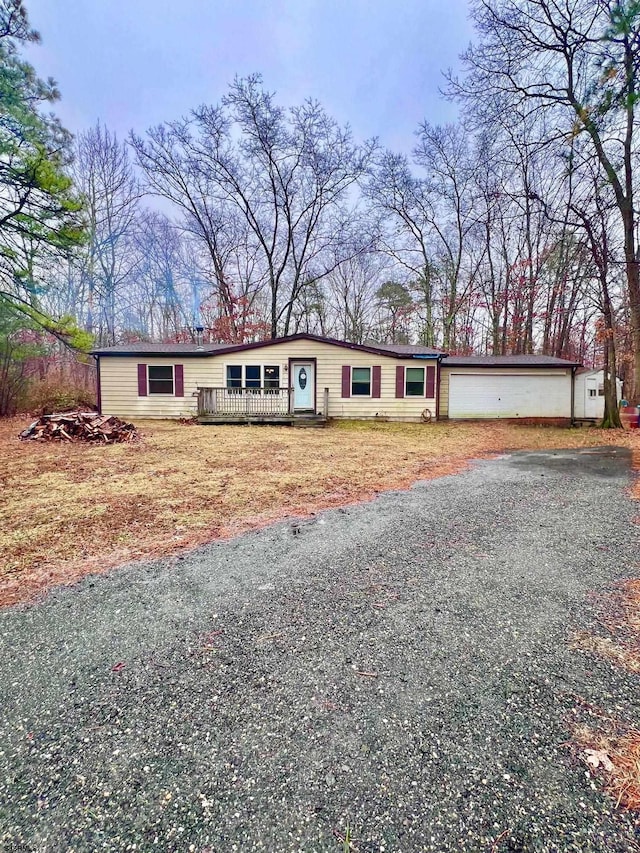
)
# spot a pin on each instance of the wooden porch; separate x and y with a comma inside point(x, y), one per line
point(258, 405)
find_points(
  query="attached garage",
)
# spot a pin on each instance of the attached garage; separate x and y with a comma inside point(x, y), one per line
point(491, 387)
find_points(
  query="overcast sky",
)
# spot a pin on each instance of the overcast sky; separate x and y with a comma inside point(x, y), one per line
point(133, 63)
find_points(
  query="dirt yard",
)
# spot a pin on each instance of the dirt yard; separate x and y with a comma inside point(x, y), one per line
point(69, 510)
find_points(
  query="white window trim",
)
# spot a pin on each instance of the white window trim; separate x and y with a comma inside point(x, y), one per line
point(424, 381)
point(243, 378)
point(173, 381)
point(370, 369)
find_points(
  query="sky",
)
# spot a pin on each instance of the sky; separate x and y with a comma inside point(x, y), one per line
point(131, 64)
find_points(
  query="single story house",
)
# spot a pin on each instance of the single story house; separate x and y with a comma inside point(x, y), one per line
point(306, 375)
point(589, 394)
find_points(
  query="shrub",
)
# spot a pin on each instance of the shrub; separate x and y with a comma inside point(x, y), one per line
point(56, 395)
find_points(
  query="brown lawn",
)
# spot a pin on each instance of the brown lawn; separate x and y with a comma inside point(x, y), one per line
point(71, 509)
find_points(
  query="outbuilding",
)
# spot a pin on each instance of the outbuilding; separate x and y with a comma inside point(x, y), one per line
point(589, 394)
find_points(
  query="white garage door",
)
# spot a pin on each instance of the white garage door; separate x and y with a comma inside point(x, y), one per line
point(509, 396)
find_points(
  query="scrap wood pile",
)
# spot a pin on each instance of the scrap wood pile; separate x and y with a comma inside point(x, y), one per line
point(80, 426)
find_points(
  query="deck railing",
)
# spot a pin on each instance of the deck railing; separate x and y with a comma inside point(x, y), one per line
point(244, 401)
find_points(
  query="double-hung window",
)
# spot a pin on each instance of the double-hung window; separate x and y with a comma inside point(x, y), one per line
point(361, 382)
point(271, 381)
point(414, 382)
point(253, 377)
point(160, 379)
point(234, 376)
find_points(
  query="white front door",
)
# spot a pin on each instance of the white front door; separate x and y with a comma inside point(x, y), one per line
point(593, 405)
point(303, 385)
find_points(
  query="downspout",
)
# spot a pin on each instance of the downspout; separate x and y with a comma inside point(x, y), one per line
point(573, 395)
point(98, 385)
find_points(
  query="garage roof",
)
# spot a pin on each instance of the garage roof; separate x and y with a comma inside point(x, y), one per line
point(507, 361)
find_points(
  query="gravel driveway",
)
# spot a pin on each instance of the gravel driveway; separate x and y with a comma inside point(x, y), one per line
point(399, 666)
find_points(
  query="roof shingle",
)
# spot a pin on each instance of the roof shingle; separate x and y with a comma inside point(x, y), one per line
point(506, 361)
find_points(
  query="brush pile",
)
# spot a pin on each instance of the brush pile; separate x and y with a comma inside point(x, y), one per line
point(80, 426)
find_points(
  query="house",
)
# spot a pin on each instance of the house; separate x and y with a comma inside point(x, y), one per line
point(589, 394)
point(304, 375)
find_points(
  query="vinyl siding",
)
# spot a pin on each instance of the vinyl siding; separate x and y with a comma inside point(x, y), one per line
point(120, 388)
point(539, 393)
point(591, 407)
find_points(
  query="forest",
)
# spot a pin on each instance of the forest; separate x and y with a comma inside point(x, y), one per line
point(514, 230)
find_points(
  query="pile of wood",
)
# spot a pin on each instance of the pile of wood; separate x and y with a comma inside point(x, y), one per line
point(80, 426)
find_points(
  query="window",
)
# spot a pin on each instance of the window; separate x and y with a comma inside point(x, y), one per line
point(361, 382)
point(271, 377)
point(234, 376)
point(600, 391)
point(414, 382)
point(592, 392)
point(254, 376)
point(160, 379)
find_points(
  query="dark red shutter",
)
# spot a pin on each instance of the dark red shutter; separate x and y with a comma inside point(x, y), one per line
point(399, 380)
point(346, 380)
point(178, 378)
point(431, 382)
point(375, 381)
point(142, 380)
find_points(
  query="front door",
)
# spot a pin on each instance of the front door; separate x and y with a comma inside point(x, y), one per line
point(304, 384)
point(593, 404)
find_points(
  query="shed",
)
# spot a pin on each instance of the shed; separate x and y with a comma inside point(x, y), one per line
point(589, 393)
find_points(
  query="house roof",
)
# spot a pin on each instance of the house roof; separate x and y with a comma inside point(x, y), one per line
point(507, 361)
point(392, 350)
point(189, 350)
point(405, 349)
point(582, 370)
point(145, 348)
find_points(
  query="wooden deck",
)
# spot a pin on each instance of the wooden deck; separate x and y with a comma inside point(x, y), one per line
point(258, 405)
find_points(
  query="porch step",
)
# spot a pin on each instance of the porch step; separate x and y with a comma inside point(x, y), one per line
point(313, 421)
point(304, 421)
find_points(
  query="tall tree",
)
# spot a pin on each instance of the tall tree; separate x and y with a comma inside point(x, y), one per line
point(39, 213)
point(286, 175)
point(111, 194)
point(579, 60)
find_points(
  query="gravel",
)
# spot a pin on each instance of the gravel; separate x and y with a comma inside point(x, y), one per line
point(399, 667)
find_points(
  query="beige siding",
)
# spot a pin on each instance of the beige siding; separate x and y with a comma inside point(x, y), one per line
point(119, 381)
point(119, 387)
point(444, 393)
point(550, 403)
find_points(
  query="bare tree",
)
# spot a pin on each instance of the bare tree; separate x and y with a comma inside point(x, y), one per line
point(352, 286)
point(286, 175)
point(110, 189)
point(579, 61)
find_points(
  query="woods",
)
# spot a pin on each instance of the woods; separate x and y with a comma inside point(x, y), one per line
point(513, 231)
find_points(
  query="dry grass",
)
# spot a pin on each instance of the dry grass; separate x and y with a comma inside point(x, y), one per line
point(618, 614)
point(68, 510)
point(614, 756)
point(611, 748)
